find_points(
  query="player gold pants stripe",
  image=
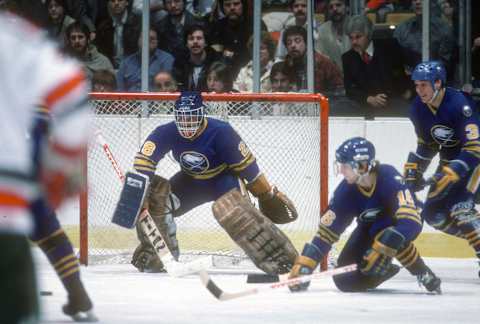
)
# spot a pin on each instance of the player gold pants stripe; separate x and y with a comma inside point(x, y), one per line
point(57, 232)
point(472, 234)
point(474, 180)
point(384, 249)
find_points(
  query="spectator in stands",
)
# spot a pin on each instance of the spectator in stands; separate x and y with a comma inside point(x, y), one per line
point(449, 11)
point(280, 78)
point(78, 45)
point(244, 81)
point(219, 78)
point(157, 11)
point(328, 78)
point(476, 46)
point(230, 34)
point(164, 82)
point(78, 10)
point(442, 43)
point(332, 40)
point(117, 34)
point(380, 7)
point(104, 81)
point(373, 72)
point(129, 74)
point(298, 18)
point(58, 21)
point(171, 28)
point(191, 73)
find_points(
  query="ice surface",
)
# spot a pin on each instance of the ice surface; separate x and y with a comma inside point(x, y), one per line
point(123, 295)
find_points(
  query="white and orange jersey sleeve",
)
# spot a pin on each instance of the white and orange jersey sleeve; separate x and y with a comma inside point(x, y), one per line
point(33, 71)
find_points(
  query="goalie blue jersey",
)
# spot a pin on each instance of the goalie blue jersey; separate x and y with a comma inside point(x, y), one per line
point(452, 129)
point(388, 203)
point(217, 150)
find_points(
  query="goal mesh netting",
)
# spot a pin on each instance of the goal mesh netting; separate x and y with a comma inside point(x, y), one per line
point(286, 132)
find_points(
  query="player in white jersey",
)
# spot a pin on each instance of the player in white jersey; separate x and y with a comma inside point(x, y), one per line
point(34, 167)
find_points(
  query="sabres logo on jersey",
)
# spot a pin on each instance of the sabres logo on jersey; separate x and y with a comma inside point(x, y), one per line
point(194, 162)
point(369, 215)
point(444, 135)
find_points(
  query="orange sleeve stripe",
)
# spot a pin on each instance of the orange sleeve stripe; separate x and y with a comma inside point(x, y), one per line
point(64, 88)
point(11, 200)
point(68, 152)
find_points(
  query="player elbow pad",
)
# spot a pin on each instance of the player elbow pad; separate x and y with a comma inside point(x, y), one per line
point(389, 242)
point(419, 161)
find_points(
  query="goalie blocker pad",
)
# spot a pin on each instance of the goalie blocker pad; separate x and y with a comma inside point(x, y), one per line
point(131, 200)
point(266, 245)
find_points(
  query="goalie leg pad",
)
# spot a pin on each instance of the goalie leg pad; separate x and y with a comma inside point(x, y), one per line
point(131, 200)
point(146, 260)
point(267, 246)
point(161, 203)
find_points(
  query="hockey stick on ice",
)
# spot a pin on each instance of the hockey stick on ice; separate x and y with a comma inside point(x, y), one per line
point(221, 295)
point(174, 268)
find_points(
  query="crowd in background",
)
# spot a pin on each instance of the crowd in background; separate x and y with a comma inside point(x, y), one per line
point(361, 63)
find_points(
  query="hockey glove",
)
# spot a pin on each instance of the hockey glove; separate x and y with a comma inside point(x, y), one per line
point(277, 207)
point(304, 265)
point(377, 260)
point(443, 181)
point(413, 177)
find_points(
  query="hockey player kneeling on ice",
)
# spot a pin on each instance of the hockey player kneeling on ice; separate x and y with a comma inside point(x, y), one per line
point(212, 158)
point(388, 220)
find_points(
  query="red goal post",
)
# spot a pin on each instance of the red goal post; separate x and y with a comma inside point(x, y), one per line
point(288, 134)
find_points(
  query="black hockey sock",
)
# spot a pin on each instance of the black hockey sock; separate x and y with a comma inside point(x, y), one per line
point(18, 286)
point(59, 251)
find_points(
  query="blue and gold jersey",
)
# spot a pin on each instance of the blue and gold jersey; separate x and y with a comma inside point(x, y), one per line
point(387, 203)
point(451, 129)
point(217, 149)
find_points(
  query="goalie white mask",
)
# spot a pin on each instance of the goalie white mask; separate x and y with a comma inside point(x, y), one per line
point(189, 113)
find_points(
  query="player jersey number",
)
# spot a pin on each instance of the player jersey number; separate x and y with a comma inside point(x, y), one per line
point(472, 131)
point(405, 198)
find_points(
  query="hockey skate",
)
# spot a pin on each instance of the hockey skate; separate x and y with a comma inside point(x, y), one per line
point(430, 281)
point(80, 309)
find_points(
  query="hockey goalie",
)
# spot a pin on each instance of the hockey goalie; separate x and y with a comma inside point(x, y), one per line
point(213, 161)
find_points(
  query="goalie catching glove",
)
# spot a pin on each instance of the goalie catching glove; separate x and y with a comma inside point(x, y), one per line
point(377, 259)
point(272, 203)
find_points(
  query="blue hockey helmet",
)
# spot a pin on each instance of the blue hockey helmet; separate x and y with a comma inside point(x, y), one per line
point(189, 113)
point(430, 71)
point(355, 151)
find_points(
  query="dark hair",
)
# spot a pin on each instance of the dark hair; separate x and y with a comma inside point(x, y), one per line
point(184, 3)
point(291, 2)
point(61, 3)
point(294, 30)
point(193, 28)
point(281, 67)
point(104, 77)
point(223, 73)
point(78, 27)
point(266, 39)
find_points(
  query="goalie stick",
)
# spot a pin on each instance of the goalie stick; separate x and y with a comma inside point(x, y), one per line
point(174, 268)
point(221, 295)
